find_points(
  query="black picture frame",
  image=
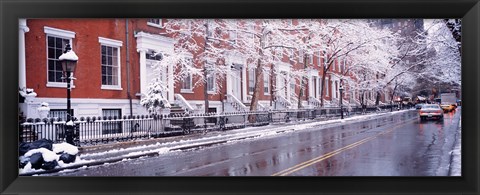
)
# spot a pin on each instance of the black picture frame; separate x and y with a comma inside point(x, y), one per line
point(11, 183)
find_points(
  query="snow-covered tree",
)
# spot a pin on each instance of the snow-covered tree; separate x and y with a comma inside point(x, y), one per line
point(443, 62)
point(198, 54)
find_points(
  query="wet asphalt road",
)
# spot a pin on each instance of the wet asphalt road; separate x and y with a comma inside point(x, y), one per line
point(387, 146)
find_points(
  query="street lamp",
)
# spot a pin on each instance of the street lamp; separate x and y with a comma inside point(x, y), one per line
point(69, 61)
point(341, 98)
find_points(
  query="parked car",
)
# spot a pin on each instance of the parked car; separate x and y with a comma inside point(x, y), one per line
point(431, 111)
point(419, 106)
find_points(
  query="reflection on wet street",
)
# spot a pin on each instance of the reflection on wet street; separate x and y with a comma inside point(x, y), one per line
point(393, 145)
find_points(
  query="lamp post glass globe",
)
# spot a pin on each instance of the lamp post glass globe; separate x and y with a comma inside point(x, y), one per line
point(68, 59)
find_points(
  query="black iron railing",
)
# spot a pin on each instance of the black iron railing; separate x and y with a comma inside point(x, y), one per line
point(99, 130)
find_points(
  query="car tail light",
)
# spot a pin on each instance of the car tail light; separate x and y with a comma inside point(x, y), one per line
point(438, 111)
point(421, 112)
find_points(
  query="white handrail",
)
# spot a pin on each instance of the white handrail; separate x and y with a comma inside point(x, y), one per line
point(183, 102)
point(232, 99)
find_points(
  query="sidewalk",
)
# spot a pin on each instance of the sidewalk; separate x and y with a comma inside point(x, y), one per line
point(115, 152)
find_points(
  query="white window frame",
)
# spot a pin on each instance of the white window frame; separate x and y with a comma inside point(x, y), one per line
point(325, 59)
point(266, 81)
point(116, 44)
point(210, 69)
point(327, 81)
point(160, 25)
point(189, 75)
point(251, 78)
point(233, 34)
point(60, 33)
point(310, 59)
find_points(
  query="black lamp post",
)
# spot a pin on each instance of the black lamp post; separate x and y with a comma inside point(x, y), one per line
point(69, 61)
point(341, 100)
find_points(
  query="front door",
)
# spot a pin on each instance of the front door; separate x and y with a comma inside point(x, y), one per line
point(237, 83)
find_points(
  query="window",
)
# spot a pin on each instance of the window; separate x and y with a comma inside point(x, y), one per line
point(310, 59)
point(59, 113)
point(210, 29)
point(187, 79)
point(111, 126)
point(319, 87)
point(151, 55)
point(327, 81)
point(155, 22)
point(292, 86)
point(318, 59)
point(336, 90)
point(325, 59)
point(57, 39)
point(251, 30)
point(210, 79)
point(110, 62)
point(251, 81)
point(55, 46)
point(342, 65)
point(266, 82)
point(232, 34)
point(335, 62)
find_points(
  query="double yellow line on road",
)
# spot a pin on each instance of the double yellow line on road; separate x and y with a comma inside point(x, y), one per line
point(327, 155)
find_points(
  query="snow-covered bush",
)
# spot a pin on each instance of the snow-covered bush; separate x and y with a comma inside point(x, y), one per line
point(42, 154)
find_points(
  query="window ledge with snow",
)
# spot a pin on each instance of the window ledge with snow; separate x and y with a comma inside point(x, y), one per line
point(154, 25)
point(186, 91)
point(59, 85)
point(111, 87)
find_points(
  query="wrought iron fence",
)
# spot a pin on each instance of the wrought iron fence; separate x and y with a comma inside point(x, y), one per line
point(98, 130)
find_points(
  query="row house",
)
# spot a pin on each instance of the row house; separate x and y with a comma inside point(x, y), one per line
point(115, 67)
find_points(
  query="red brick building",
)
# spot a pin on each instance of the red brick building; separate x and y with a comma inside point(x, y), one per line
point(115, 67)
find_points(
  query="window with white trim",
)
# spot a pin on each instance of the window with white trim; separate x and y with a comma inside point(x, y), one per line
point(187, 79)
point(327, 86)
point(335, 62)
point(266, 82)
point(155, 22)
point(210, 80)
point(232, 34)
point(325, 59)
point(111, 126)
point(110, 63)
point(56, 40)
point(251, 80)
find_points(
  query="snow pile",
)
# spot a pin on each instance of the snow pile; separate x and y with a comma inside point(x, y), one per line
point(28, 93)
point(43, 107)
point(43, 155)
point(65, 148)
